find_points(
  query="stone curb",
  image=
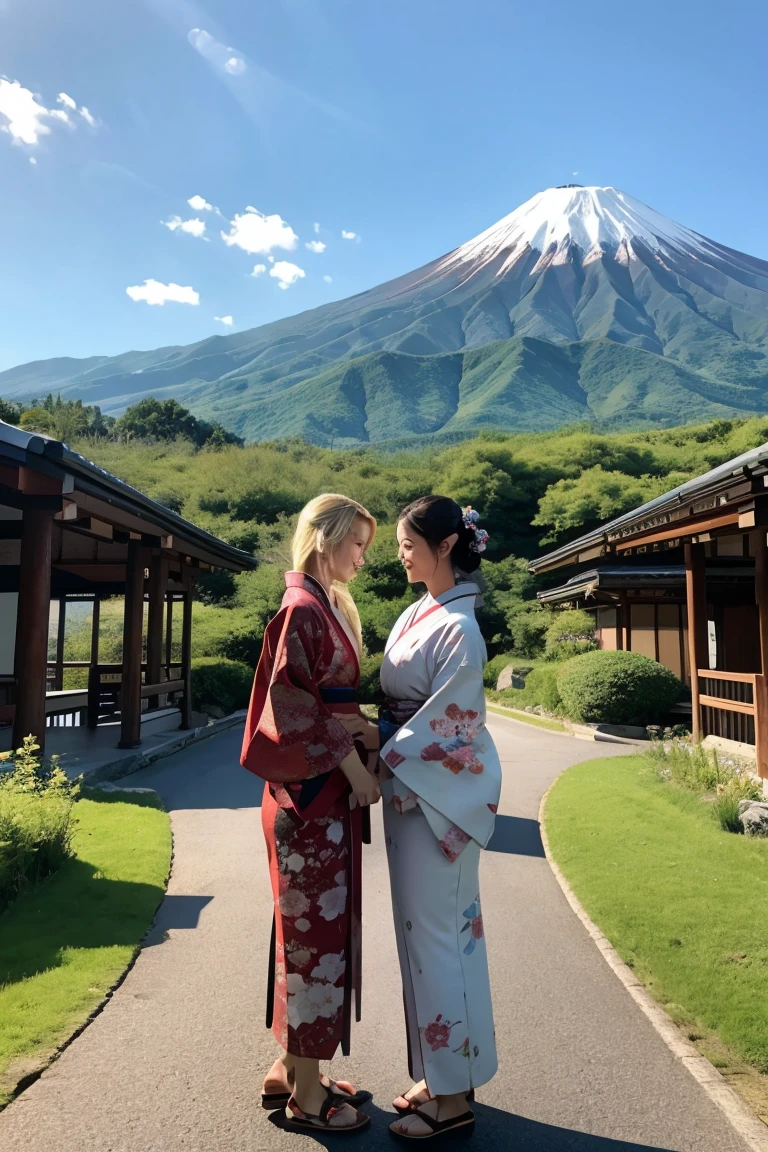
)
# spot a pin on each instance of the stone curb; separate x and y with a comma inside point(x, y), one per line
point(741, 1118)
point(570, 734)
point(116, 769)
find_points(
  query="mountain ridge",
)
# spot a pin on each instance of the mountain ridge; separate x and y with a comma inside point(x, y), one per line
point(628, 317)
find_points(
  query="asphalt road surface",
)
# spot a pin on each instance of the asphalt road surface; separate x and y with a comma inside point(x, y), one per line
point(174, 1062)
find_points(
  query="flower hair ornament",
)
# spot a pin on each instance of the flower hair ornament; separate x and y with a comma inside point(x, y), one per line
point(470, 518)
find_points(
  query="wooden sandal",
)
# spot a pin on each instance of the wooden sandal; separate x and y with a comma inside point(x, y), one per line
point(271, 1101)
point(412, 1105)
point(296, 1120)
point(458, 1127)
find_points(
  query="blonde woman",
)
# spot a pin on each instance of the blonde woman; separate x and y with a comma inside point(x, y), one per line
point(299, 739)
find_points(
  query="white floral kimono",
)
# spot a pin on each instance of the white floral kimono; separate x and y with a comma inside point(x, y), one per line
point(439, 811)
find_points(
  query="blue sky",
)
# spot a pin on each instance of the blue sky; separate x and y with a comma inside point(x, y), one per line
point(413, 124)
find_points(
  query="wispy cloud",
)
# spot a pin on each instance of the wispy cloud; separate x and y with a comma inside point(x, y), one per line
point(67, 101)
point(191, 227)
point(199, 204)
point(328, 279)
point(154, 292)
point(350, 235)
point(316, 228)
point(227, 320)
point(255, 232)
point(286, 273)
point(259, 270)
point(216, 53)
point(315, 246)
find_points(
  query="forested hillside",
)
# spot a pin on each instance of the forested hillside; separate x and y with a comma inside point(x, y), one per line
point(533, 491)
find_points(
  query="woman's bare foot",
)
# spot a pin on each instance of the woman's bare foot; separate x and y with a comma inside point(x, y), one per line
point(439, 1108)
point(416, 1096)
point(280, 1076)
point(311, 1102)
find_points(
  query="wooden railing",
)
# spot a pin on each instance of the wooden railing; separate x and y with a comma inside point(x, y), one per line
point(734, 705)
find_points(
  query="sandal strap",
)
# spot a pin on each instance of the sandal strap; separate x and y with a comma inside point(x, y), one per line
point(442, 1125)
point(332, 1104)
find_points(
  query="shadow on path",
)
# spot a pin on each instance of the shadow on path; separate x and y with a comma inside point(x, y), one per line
point(516, 836)
point(176, 912)
point(497, 1131)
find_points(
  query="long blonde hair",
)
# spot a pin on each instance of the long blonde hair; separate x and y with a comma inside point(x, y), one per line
point(322, 525)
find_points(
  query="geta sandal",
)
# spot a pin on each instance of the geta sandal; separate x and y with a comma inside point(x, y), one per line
point(297, 1120)
point(271, 1101)
point(458, 1127)
point(412, 1105)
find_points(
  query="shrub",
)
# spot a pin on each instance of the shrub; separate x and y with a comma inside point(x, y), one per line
point(220, 683)
point(36, 821)
point(540, 689)
point(617, 688)
point(571, 633)
point(370, 685)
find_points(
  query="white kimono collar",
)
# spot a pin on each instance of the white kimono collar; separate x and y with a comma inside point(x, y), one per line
point(460, 591)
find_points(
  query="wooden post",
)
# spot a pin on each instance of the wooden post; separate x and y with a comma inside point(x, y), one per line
point(95, 624)
point(158, 581)
point(696, 594)
point(620, 613)
point(31, 660)
point(758, 547)
point(186, 652)
point(133, 628)
point(59, 674)
point(168, 635)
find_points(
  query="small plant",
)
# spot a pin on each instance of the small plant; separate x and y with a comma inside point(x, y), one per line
point(725, 809)
point(701, 770)
point(36, 820)
point(571, 633)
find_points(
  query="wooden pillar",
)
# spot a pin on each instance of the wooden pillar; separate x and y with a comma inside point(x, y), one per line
point(95, 625)
point(758, 548)
point(31, 660)
point(620, 612)
point(59, 674)
point(168, 635)
point(186, 652)
point(696, 594)
point(133, 629)
point(158, 582)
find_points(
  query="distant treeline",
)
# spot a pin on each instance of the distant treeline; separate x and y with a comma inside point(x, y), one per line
point(534, 491)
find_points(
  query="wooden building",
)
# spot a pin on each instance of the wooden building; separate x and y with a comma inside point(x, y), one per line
point(684, 579)
point(69, 531)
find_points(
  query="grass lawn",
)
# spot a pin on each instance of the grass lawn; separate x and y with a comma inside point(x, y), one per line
point(537, 721)
point(64, 944)
point(683, 903)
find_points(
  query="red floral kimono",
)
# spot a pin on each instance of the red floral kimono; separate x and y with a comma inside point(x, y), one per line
point(308, 670)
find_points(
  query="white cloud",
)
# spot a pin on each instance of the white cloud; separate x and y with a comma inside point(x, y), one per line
point(228, 320)
point(27, 119)
point(254, 232)
point(216, 53)
point(198, 204)
point(316, 229)
point(286, 273)
point(153, 292)
point(349, 235)
point(89, 118)
point(33, 160)
point(192, 227)
point(574, 173)
point(315, 246)
point(328, 279)
point(259, 269)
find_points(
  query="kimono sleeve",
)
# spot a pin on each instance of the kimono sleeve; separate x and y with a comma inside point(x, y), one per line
point(290, 734)
point(458, 645)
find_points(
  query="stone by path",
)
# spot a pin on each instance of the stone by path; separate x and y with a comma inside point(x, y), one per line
point(174, 1062)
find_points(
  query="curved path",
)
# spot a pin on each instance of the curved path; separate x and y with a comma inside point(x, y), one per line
point(173, 1063)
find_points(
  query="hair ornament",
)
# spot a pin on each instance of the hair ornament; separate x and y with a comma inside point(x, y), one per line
point(470, 518)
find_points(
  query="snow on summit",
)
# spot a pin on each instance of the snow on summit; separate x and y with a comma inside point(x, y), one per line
point(591, 219)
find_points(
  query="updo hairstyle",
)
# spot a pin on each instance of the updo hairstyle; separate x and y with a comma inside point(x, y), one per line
point(435, 518)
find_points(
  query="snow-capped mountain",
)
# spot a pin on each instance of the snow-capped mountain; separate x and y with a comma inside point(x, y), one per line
point(583, 303)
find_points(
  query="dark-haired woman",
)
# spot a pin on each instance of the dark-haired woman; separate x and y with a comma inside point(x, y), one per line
point(441, 784)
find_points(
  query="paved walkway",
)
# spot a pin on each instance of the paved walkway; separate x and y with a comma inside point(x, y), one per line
point(173, 1064)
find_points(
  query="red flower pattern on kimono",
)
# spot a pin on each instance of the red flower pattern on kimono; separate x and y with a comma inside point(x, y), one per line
point(438, 1032)
point(458, 731)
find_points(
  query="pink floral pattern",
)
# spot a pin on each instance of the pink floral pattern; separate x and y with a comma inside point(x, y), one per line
point(454, 842)
point(457, 730)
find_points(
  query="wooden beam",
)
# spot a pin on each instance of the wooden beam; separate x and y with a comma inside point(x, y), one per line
point(696, 593)
point(680, 530)
point(133, 629)
point(31, 661)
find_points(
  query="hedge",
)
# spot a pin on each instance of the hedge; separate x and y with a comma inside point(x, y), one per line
point(220, 683)
point(617, 688)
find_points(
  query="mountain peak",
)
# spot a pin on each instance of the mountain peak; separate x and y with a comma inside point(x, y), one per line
point(574, 216)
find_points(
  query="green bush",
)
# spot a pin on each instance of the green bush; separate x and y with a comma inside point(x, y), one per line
point(571, 633)
point(617, 688)
point(36, 822)
point(370, 685)
point(220, 683)
point(540, 690)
